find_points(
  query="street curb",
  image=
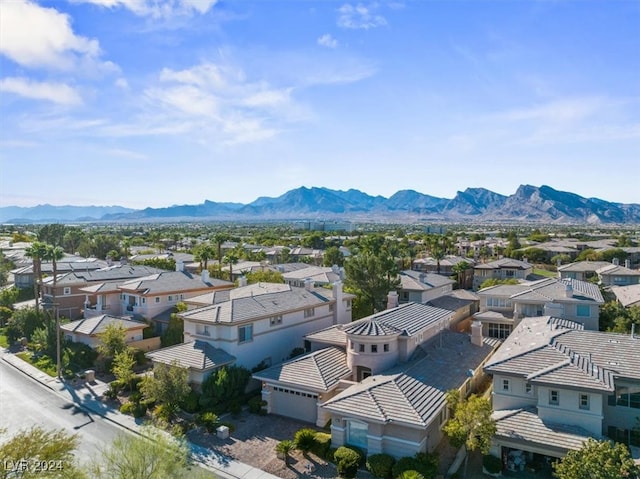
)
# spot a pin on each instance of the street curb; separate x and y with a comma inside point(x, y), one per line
point(192, 447)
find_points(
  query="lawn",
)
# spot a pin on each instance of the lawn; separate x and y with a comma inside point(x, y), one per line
point(4, 342)
point(544, 272)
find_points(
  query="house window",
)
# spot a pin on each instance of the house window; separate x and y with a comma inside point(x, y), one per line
point(361, 349)
point(275, 320)
point(500, 331)
point(332, 307)
point(357, 434)
point(528, 388)
point(309, 312)
point(170, 298)
point(505, 384)
point(583, 311)
point(374, 348)
point(554, 397)
point(66, 290)
point(353, 345)
point(144, 300)
point(245, 333)
point(348, 304)
point(510, 273)
point(157, 299)
point(584, 401)
point(385, 348)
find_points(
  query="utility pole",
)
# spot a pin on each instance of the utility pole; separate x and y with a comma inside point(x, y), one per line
point(58, 362)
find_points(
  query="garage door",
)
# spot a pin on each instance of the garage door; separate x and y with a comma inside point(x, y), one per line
point(294, 404)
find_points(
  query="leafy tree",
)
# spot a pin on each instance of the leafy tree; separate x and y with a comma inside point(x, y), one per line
point(224, 387)
point(72, 239)
point(23, 323)
point(169, 385)
point(535, 255)
point(267, 276)
point(597, 460)
point(471, 425)
point(588, 254)
point(38, 444)
point(168, 264)
point(372, 276)
point(153, 455)
point(122, 367)
point(52, 234)
point(112, 340)
point(616, 318)
point(174, 334)
point(8, 296)
point(610, 254)
point(333, 255)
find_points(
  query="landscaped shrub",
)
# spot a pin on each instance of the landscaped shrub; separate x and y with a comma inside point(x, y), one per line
point(284, 448)
point(256, 405)
point(224, 389)
point(322, 445)
point(424, 463)
point(411, 475)
point(492, 464)
point(191, 403)
point(163, 412)
point(347, 460)
point(137, 410)
point(208, 420)
point(380, 465)
point(305, 439)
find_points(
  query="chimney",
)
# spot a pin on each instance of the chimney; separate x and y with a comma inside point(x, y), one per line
point(335, 269)
point(422, 277)
point(392, 300)
point(476, 333)
point(308, 284)
point(179, 266)
point(525, 259)
point(109, 261)
point(242, 281)
point(627, 263)
point(568, 290)
point(616, 261)
point(633, 330)
point(337, 291)
point(205, 276)
point(123, 260)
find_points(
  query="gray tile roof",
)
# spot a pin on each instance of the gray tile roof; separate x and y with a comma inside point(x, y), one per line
point(318, 274)
point(617, 270)
point(170, 281)
point(320, 370)
point(504, 263)
point(627, 295)
point(415, 392)
point(263, 305)
point(547, 352)
point(407, 318)
point(453, 300)
point(417, 281)
point(98, 324)
point(198, 355)
point(330, 335)
point(116, 272)
point(583, 266)
point(548, 289)
point(525, 426)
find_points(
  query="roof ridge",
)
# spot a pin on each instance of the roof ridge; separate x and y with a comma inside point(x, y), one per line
point(548, 369)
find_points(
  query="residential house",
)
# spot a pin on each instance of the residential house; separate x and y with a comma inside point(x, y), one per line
point(384, 386)
point(627, 296)
point(503, 306)
point(87, 331)
point(505, 268)
point(462, 303)
point(262, 323)
point(318, 275)
point(24, 277)
point(616, 275)
point(443, 267)
point(581, 270)
point(556, 384)
point(420, 287)
point(71, 298)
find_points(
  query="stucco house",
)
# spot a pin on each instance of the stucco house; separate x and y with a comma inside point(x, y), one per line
point(503, 306)
point(262, 323)
point(627, 296)
point(420, 287)
point(505, 268)
point(616, 275)
point(581, 270)
point(88, 331)
point(556, 384)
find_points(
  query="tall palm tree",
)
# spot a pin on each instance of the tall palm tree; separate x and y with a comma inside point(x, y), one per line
point(218, 239)
point(231, 258)
point(36, 252)
point(54, 254)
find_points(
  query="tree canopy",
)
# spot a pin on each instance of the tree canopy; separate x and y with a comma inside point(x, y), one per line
point(597, 460)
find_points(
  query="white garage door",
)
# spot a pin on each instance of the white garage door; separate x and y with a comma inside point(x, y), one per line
point(294, 404)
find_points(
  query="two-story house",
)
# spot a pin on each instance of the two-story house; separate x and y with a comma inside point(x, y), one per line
point(381, 380)
point(420, 287)
point(255, 326)
point(616, 275)
point(505, 268)
point(581, 270)
point(503, 306)
point(556, 384)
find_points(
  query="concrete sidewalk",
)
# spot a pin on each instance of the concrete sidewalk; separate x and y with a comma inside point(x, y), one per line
point(89, 397)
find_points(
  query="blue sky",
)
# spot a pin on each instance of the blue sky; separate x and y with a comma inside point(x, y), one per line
point(153, 103)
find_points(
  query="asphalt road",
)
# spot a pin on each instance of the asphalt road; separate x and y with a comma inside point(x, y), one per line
point(25, 403)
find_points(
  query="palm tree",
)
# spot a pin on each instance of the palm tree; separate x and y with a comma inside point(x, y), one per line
point(203, 253)
point(54, 254)
point(218, 239)
point(36, 252)
point(231, 258)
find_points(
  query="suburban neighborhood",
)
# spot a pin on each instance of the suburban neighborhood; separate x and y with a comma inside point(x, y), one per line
point(381, 366)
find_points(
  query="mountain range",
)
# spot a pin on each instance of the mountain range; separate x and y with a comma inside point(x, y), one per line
point(527, 204)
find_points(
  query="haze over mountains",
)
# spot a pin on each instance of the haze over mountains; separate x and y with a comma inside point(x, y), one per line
point(527, 204)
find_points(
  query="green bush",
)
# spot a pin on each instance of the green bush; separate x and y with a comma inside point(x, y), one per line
point(191, 402)
point(322, 445)
point(208, 420)
point(331, 452)
point(137, 410)
point(305, 439)
point(411, 474)
point(492, 464)
point(347, 460)
point(256, 405)
point(380, 465)
point(424, 463)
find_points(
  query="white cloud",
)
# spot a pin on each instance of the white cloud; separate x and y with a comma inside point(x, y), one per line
point(122, 83)
point(157, 9)
point(34, 37)
point(328, 41)
point(54, 92)
point(560, 111)
point(360, 16)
